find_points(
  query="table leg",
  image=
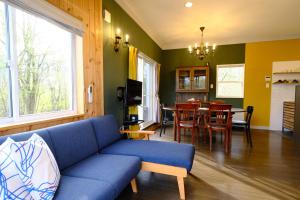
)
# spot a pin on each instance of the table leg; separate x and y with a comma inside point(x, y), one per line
point(230, 133)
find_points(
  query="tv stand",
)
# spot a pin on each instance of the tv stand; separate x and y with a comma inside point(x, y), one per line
point(127, 120)
point(131, 94)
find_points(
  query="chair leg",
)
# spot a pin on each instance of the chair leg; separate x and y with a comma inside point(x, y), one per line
point(250, 137)
point(198, 133)
point(221, 137)
point(226, 142)
point(204, 134)
point(210, 139)
point(161, 130)
point(178, 133)
point(246, 132)
point(165, 129)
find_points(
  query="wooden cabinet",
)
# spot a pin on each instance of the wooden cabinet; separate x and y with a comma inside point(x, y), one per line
point(192, 79)
point(192, 82)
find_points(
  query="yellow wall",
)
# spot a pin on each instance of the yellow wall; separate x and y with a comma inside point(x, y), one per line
point(258, 64)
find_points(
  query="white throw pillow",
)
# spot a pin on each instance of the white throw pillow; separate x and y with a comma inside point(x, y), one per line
point(11, 185)
point(37, 167)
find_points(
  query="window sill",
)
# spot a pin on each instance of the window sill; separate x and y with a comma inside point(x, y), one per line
point(18, 125)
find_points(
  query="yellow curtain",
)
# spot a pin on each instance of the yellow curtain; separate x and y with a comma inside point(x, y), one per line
point(133, 75)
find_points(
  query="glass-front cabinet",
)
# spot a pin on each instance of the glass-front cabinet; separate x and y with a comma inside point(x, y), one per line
point(184, 79)
point(192, 79)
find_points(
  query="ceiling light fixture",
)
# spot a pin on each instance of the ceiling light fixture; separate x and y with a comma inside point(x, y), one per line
point(188, 4)
point(203, 50)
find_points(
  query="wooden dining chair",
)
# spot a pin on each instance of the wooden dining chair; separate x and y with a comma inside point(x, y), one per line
point(187, 118)
point(245, 124)
point(165, 120)
point(218, 119)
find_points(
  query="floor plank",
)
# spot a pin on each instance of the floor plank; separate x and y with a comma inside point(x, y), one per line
point(270, 170)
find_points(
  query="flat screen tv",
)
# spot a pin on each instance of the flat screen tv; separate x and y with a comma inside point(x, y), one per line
point(133, 92)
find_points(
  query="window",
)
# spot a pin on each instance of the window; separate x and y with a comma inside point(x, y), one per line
point(230, 81)
point(146, 74)
point(37, 66)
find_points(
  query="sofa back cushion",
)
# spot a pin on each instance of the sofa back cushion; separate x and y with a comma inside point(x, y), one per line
point(106, 129)
point(26, 135)
point(73, 142)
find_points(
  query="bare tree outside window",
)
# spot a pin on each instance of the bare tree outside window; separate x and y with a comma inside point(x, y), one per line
point(37, 65)
point(43, 71)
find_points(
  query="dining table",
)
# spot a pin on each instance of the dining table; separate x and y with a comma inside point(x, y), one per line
point(201, 110)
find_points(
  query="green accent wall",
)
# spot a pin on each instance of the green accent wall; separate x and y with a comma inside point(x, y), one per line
point(116, 64)
point(224, 54)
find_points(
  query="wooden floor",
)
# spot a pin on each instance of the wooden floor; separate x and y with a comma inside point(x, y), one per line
point(270, 170)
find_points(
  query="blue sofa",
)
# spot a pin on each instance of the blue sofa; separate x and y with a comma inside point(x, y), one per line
point(97, 163)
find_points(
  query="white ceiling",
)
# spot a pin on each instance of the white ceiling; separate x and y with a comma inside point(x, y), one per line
point(172, 26)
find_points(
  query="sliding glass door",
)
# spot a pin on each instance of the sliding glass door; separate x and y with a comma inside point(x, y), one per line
point(146, 74)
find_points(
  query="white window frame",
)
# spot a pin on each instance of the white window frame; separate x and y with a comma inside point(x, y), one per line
point(14, 88)
point(243, 82)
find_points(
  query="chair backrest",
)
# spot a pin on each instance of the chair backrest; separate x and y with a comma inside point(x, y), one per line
point(219, 114)
point(205, 105)
point(250, 110)
point(186, 112)
point(198, 102)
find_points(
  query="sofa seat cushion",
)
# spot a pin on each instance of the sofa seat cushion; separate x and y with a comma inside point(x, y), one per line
point(168, 153)
point(116, 170)
point(83, 189)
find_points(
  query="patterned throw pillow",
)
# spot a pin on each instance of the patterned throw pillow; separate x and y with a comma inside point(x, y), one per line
point(11, 185)
point(37, 167)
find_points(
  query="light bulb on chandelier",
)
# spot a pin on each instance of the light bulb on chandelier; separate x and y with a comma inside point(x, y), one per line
point(202, 50)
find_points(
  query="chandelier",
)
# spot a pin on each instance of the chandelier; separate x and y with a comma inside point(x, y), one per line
point(201, 51)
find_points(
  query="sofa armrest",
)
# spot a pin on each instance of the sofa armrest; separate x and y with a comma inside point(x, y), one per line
point(146, 133)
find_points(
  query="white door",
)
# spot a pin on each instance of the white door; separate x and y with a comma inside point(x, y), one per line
point(146, 75)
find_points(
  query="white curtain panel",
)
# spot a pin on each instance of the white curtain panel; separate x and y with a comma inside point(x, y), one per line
point(49, 12)
point(157, 111)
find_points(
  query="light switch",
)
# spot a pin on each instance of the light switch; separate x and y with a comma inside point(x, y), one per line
point(107, 16)
point(211, 86)
point(267, 85)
